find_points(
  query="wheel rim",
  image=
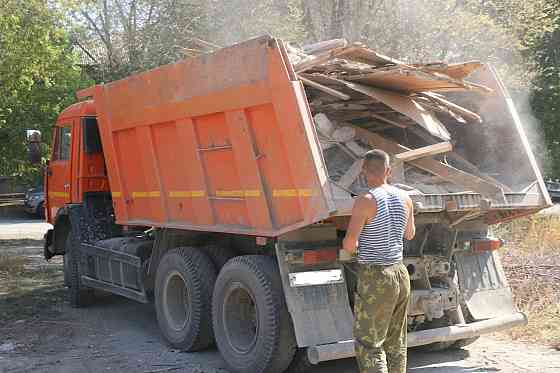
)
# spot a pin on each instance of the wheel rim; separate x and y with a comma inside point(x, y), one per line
point(175, 301)
point(240, 317)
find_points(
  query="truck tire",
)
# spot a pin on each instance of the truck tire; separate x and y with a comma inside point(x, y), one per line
point(253, 329)
point(185, 279)
point(78, 294)
point(219, 255)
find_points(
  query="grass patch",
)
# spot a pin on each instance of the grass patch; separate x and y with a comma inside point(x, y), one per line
point(11, 265)
point(31, 288)
point(531, 259)
point(534, 235)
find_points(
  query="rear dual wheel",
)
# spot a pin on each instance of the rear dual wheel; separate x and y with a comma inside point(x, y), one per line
point(253, 329)
point(246, 312)
point(183, 298)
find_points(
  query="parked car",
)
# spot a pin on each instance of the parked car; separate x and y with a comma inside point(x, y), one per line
point(553, 189)
point(34, 202)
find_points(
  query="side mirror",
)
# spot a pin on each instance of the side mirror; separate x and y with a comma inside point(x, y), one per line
point(34, 146)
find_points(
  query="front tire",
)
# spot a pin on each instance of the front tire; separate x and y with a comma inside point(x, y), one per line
point(253, 329)
point(78, 294)
point(183, 297)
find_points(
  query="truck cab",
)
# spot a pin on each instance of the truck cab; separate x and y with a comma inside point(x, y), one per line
point(76, 168)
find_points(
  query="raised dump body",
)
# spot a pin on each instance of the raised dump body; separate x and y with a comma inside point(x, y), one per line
point(221, 186)
point(223, 142)
point(226, 143)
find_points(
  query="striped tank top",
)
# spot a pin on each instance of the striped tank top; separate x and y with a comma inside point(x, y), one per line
point(381, 239)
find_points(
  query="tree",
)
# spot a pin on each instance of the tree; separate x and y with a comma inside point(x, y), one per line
point(434, 30)
point(120, 37)
point(546, 94)
point(38, 77)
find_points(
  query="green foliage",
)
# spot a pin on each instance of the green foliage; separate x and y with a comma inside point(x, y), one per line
point(546, 94)
point(117, 38)
point(38, 78)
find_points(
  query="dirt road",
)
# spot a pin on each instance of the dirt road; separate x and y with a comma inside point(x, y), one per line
point(39, 332)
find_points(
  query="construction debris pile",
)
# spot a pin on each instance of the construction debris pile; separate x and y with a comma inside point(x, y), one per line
point(361, 100)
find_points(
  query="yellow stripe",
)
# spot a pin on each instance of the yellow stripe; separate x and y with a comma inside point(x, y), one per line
point(116, 194)
point(59, 194)
point(186, 193)
point(292, 193)
point(238, 193)
point(305, 192)
point(145, 194)
point(252, 193)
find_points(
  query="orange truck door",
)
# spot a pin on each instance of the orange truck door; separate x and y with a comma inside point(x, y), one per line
point(59, 170)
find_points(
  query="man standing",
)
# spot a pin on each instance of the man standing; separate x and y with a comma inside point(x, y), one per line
point(380, 220)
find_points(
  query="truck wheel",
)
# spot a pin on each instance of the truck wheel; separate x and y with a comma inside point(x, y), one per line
point(78, 294)
point(183, 297)
point(253, 329)
point(219, 255)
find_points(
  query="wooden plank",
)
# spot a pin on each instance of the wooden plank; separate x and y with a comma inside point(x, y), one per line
point(468, 166)
point(387, 120)
point(435, 167)
point(324, 46)
point(404, 105)
point(454, 107)
point(454, 70)
point(425, 151)
point(327, 90)
point(322, 58)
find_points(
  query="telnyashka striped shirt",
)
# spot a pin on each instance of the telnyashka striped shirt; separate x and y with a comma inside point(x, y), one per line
point(381, 239)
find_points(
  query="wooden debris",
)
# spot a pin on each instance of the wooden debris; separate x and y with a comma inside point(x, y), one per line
point(435, 167)
point(327, 90)
point(454, 70)
point(426, 151)
point(320, 58)
point(362, 99)
point(407, 106)
point(387, 120)
point(454, 107)
point(324, 46)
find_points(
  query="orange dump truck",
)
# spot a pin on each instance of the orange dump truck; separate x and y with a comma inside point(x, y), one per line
point(202, 186)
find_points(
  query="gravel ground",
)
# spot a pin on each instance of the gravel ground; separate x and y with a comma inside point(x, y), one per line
point(119, 335)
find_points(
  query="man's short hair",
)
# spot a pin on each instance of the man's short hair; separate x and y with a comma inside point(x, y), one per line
point(376, 161)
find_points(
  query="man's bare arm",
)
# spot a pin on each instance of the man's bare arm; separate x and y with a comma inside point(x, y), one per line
point(364, 208)
point(410, 229)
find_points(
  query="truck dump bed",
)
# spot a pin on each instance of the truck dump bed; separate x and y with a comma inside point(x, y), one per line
point(226, 142)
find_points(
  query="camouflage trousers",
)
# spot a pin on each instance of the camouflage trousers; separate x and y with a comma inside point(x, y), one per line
point(380, 318)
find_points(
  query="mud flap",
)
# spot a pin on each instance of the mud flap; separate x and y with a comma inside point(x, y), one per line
point(483, 285)
point(320, 311)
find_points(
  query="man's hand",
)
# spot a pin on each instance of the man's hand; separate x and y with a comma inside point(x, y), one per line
point(364, 209)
